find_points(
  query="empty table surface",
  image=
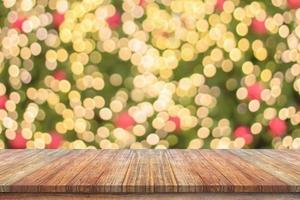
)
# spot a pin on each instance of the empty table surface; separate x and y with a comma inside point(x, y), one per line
point(149, 171)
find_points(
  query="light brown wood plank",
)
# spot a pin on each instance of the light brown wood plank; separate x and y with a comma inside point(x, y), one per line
point(35, 182)
point(278, 162)
point(286, 156)
point(149, 171)
point(186, 177)
point(30, 162)
point(10, 155)
point(85, 181)
point(264, 180)
point(292, 153)
point(61, 179)
point(213, 180)
point(164, 196)
point(10, 158)
point(277, 169)
point(138, 174)
point(160, 165)
point(240, 181)
point(112, 178)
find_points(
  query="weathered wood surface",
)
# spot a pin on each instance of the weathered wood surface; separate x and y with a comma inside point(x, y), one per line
point(152, 196)
point(149, 171)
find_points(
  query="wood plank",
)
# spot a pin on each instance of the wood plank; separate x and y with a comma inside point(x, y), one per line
point(159, 166)
point(239, 180)
point(61, 179)
point(285, 156)
point(149, 171)
point(112, 178)
point(154, 196)
point(11, 155)
point(30, 162)
point(35, 182)
point(264, 180)
point(186, 177)
point(145, 173)
point(85, 181)
point(138, 174)
point(11, 158)
point(278, 162)
point(276, 168)
point(213, 180)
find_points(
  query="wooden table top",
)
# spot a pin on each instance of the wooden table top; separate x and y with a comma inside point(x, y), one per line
point(140, 171)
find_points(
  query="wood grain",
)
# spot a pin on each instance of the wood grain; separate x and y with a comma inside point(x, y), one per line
point(149, 171)
point(152, 196)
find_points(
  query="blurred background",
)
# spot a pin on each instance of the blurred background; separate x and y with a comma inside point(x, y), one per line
point(149, 74)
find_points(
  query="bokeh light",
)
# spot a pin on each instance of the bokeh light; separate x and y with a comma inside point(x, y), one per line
point(150, 74)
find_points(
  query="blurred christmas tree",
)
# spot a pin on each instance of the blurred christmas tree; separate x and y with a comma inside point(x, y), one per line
point(149, 74)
